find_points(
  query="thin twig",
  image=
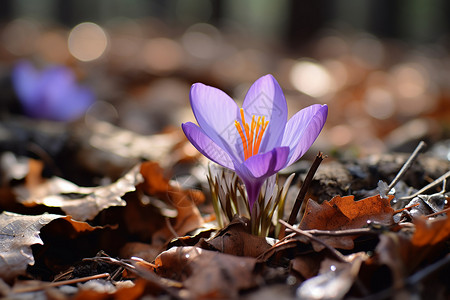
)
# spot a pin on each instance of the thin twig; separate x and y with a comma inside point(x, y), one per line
point(345, 232)
point(44, 286)
point(429, 186)
point(427, 271)
point(406, 208)
point(336, 253)
point(444, 211)
point(407, 165)
point(301, 195)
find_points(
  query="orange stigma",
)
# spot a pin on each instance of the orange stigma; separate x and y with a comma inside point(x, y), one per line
point(251, 135)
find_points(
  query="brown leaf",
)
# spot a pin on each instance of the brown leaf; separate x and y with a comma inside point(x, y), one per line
point(344, 213)
point(188, 216)
point(307, 265)
point(91, 201)
point(431, 232)
point(404, 254)
point(236, 239)
point(207, 274)
point(18, 233)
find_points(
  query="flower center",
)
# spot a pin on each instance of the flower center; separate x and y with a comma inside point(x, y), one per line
point(251, 135)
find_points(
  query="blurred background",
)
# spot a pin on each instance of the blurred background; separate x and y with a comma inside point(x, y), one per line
point(382, 66)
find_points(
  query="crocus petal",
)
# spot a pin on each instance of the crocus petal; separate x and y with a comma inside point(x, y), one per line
point(265, 98)
point(77, 101)
point(64, 99)
point(25, 79)
point(265, 164)
point(253, 188)
point(216, 112)
point(255, 170)
point(302, 130)
point(50, 94)
point(206, 146)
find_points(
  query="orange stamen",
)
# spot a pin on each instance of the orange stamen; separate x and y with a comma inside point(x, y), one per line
point(244, 141)
point(258, 125)
point(251, 135)
point(250, 138)
point(263, 126)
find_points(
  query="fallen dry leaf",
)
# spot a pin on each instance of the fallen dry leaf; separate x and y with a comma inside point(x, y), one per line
point(188, 216)
point(430, 232)
point(18, 233)
point(236, 239)
point(207, 274)
point(307, 266)
point(344, 213)
point(404, 254)
point(334, 280)
point(91, 201)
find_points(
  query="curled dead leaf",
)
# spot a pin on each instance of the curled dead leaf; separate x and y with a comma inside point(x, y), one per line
point(91, 200)
point(207, 274)
point(18, 233)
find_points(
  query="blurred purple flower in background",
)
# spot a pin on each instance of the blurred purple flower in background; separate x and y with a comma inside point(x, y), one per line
point(257, 149)
point(51, 94)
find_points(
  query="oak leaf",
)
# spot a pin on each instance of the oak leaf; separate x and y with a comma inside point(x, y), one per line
point(342, 213)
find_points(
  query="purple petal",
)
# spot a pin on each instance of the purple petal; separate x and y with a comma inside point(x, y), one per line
point(265, 164)
point(253, 188)
point(216, 112)
point(265, 98)
point(302, 130)
point(25, 79)
point(255, 170)
point(76, 102)
point(51, 94)
point(206, 146)
point(64, 99)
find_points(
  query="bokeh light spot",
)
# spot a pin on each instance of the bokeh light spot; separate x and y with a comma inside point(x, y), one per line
point(311, 78)
point(162, 55)
point(379, 103)
point(87, 41)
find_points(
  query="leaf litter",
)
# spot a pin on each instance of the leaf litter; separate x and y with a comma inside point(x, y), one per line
point(142, 234)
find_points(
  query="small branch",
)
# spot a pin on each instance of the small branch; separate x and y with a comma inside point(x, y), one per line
point(407, 165)
point(44, 286)
point(346, 232)
point(428, 270)
point(444, 211)
point(301, 195)
point(406, 208)
point(429, 186)
point(336, 253)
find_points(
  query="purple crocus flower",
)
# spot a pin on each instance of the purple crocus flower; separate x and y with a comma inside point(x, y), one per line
point(257, 140)
point(52, 93)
